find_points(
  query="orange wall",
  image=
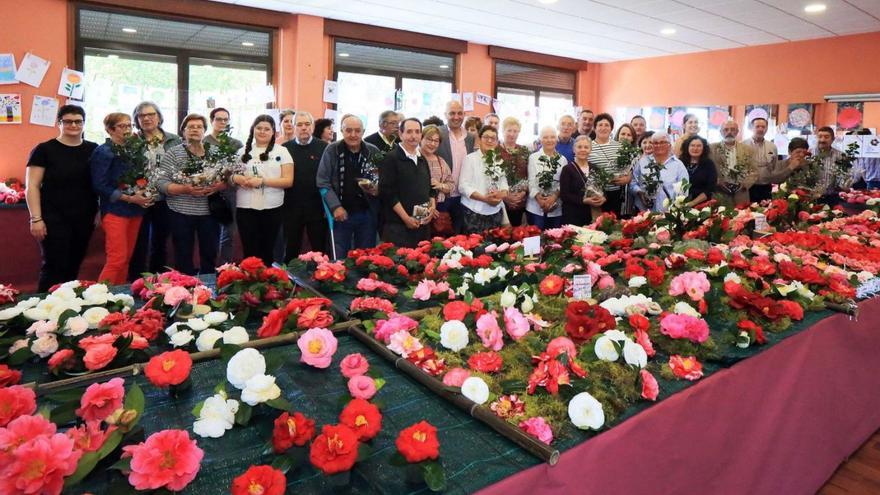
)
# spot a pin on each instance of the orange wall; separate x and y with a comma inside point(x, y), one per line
point(797, 72)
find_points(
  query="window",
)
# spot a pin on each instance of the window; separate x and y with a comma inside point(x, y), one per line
point(537, 96)
point(374, 78)
point(185, 67)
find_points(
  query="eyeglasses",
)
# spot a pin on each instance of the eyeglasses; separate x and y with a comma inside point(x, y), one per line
point(487, 137)
point(151, 115)
point(194, 128)
point(433, 141)
point(220, 119)
point(122, 126)
point(72, 122)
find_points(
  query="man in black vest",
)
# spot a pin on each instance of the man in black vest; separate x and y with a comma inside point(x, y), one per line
point(302, 202)
point(386, 137)
point(405, 189)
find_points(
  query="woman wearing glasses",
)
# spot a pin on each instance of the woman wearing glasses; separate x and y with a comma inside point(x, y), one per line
point(483, 184)
point(122, 209)
point(60, 198)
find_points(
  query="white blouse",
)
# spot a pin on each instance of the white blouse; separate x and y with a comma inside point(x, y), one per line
point(535, 166)
point(473, 179)
point(263, 198)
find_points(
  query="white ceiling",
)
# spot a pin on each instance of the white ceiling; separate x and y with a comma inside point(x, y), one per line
point(601, 30)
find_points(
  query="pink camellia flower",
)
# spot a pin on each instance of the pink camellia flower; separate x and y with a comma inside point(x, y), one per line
point(455, 377)
point(317, 346)
point(16, 401)
point(100, 400)
point(104, 338)
point(538, 428)
point(605, 282)
point(99, 356)
point(681, 326)
point(177, 294)
point(561, 345)
point(362, 387)
point(386, 328)
point(650, 389)
point(694, 284)
point(490, 332)
point(663, 235)
point(168, 459)
point(354, 364)
point(403, 343)
point(644, 340)
point(89, 437)
point(21, 430)
point(40, 465)
point(515, 323)
point(423, 290)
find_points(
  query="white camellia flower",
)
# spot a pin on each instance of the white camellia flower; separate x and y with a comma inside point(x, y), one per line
point(207, 339)
point(528, 305)
point(217, 416)
point(196, 324)
point(45, 346)
point(637, 282)
point(36, 314)
point(181, 338)
point(28, 303)
point(243, 365)
point(732, 277)
point(585, 236)
point(617, 305)
point(172, 329)
point(666, 203)
point(863, 276)
point(683, 308)
point(634, 354)
point(585, 412)
point(454, 335)
point(96, 294)
point(125, 299)
point(10, 313)
point(260, 388)
point(508, 299)
point(463, 289)
point(235, 335)
point(63, 293)
point(215, 318)
point(59, 309)
point(76, 326)
point(615, 335)
point(605, 349)
point(475, 389)
point(95, 315)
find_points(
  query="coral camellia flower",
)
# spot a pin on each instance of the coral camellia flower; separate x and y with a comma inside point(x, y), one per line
point(101, 400)
point(168, 459)
point(98, 356)
point(686, 367)
point(169, 368)
point(538, 428)
point(9, 376)
point(363, 418)
point(552, 285)
point(16, 401)
point(650, 389)
point(260, 480)
point(486, 362)
point(335, 450)
point(317, 346)
point(418, 442)
point(292, 430)
point(456, 377)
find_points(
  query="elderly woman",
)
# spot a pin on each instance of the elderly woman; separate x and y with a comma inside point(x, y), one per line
point(483, 185)
point(441, 176)
point(702, 174)
point(287, 131)
point(662, 172)
point(188, 199)
point(604, 155)
point(516, 163)
point(543, 208)
point(121, 212)
point(577, 207)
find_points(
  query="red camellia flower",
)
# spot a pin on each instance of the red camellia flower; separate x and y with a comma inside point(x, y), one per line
point(271, 273)
point(335, 450)
point(756, 331)
point(418, 442)
point(686, 367)
point(227, 277)
point(584, 320)
point(363, 418)
point(260, 480)
point(456, 310)
point(16, 401)
point(486, 362)
point(9, 376)
point(252, 265)
point(169, 368)
point(552, 285)
point(291, 429)
point(314, 316)
point(639, 322)
point(272, 323)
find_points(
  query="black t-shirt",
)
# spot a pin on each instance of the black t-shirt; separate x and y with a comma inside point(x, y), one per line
point(67, 181)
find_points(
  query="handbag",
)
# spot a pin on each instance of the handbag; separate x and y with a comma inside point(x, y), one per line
point(219, 209)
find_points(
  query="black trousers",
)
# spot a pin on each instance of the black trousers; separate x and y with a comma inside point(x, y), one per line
point(613, 202)
point(516, 217)
point(151, 250)
point(64, 248)
point(760, 192)
point(258, 230)
point(298, 220)
point(184, 229)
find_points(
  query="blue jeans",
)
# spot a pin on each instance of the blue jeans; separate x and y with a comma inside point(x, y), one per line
point(184, 229)
point(359, 231)
point(544, 222)
point(873, 184)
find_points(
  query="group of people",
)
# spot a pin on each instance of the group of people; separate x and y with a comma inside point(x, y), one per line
point(403, 184)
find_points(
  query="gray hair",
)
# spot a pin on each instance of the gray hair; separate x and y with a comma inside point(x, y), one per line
point(659, 136)
point(140, 108)
point(547, 128)
point(383, 117)
point(583, 137)
point(349, 116)
point(305, 114)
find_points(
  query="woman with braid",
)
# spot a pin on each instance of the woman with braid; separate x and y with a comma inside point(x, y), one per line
point(268, 171)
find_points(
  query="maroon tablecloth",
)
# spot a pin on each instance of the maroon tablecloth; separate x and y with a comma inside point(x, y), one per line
point(778, 423)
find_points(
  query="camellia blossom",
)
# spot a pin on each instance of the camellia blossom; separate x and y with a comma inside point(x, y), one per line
point(259, 389)
point(682, 326)
point(634, 354)
point(384, 329)
point(168, 459)
point(475, 389)
point(16, 401)
point(169, 368)
point(650, 388)
point(260, 480)
point(515, 323)
point(362, 387)
point(292, 430)
point(100, 400)
point(538, 428)
point(363, 418)
point(244, 365)
point(686, 367)
point(418, 442)
point(354, 364)
point(694, 284)
point(455, 377)
point(454, 335)
point(317, 345)
point(216, 416)
point(606, 350)
point(335, 450)
point(490, 332)
point(403, 343)
point(585, 412)
point(39, 465)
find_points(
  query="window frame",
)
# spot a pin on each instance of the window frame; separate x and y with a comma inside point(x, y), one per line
point(528, 87)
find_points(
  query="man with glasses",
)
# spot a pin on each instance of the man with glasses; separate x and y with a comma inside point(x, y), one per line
point(386, 137)
point(673, 175)
point(150, 252)
point(220, 123)
point(60, 198)
point(303, 211)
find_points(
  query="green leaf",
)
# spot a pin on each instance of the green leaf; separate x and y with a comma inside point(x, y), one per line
point(197, 410)
point(73, 394)
point(227, 351)
point(283, 463)
point(45, 411)
point(66, 315)
point(435, 476)
point(243, 416)
point(369, 325)
point(380, 382)
point(268, 448)
point(19, 357)
point(364, 452)
point(64, 414)
point(88, 461)
point(397, 459)
point(513, 386)
point(134, 399)
point(122, 464)
point(274, 361)
point(281, 404)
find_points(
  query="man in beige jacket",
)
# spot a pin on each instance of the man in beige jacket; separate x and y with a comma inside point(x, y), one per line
point(736, 166)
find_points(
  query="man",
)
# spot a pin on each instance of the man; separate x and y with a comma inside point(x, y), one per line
point(493, 120)
point(350, 177)
point(386, 136)
point(672, 173)
point(585, 125)
point(302, 202)
point(828, 155)
point(640, 125)
point(219, 123)
point(405, 188)
point(455, 144)
point(735, 163)
point(565, 143)
point(798, 150)
point(766, 156)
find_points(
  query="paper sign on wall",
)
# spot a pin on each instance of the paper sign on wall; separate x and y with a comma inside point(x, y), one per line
point(7, 68)
point(331, 114)
point(44, 110)
point(32, 70)
point(468, 101)
point(72, 84)
point(484, 99)
point(331, 89)
point(582, 287)
point(496, 105)
point(532, 246)
point(10, 108)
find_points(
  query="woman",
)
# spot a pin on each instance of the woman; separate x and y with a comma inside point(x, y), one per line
point(287, 129)
point(188, 203)
point(121, 213)
point(645, 144)
point(441, 176)
point(268, 171)
point(60, 198)
point(516, 162)
point(472, 125)
point(543, 208)
point(702, 173)
point(691, 126)
point(604, 155)
point(573, 181)
point(483, 186)
point(323, 130)
point(625, 132)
